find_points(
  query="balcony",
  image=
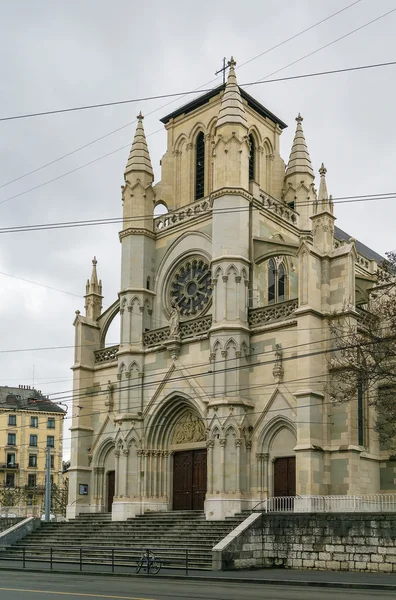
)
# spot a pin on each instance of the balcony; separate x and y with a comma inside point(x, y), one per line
point(9, 466)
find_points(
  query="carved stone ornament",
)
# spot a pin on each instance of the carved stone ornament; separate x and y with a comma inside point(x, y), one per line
point(191, 287)
point(277, 371)
point(189, 428)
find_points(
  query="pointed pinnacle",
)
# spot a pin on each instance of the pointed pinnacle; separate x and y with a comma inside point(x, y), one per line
point(231, 109)
point(139, 157)
point(299, 160)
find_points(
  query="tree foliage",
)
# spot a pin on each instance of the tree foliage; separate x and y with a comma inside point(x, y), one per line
point(364, 353)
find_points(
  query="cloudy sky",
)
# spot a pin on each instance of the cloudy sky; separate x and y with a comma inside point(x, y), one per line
point(61, 54)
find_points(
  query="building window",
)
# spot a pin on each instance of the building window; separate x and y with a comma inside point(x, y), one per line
point(11, 440)
point(12, 420)
point(200, 166)
point(33, 440)
point(31, 480)
point(10, 480)
point(50, 441)
point(252, 158)
point(34, 422)
point(29, 499)
point(10, 459)
point(276, 282)
point(360, 396)
point(51, 423)
point(52, 461)
point(32, 460)
point(148, 283)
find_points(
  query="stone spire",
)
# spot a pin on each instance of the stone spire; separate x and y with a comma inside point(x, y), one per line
point(231, 109)
point(324, 201)
point(93, 294)
point(139, 157)
point(299, 160)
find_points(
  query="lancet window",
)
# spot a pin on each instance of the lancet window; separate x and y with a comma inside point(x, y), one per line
point(200, 166)
point(252, 158)
point(277, 291)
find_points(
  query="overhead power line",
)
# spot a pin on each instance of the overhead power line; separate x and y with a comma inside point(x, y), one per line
point(102, 137)
point(116, 220)
point(188, 92)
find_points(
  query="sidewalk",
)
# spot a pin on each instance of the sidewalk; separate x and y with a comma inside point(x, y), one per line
point(335, 579)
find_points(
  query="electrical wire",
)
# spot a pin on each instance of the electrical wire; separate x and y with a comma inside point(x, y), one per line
point(181, 211)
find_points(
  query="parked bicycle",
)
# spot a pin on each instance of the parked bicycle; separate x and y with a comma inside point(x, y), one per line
point(149, 563)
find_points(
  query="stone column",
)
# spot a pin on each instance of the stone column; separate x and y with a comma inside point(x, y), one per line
point(214, 285)
point(238, 279)
point(248, 466)
point(259, 458)
point(224, 378)
point(155, 473)
point(100, 485)
point(145, 465)
point(126, 471)
point(222, 464)
point(225, 279)
point(140, 454)
point(265, 473)
point(117, 472)
point(96, 484)
point(238, 443)
point(170, 475)
point(209, 446)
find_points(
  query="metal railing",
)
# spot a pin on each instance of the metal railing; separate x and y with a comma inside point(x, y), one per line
point(91, 558)
point(331, 504)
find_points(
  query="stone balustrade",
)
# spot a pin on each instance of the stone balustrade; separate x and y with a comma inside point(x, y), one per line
point(272, 313)
point(187, 213)
point(279, 208)
point(106, 354)
point(188, 329)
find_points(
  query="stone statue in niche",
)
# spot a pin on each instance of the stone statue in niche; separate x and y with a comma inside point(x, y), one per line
point(174, 321)
point(277, 371)
point(190, 428)
point(109, 398)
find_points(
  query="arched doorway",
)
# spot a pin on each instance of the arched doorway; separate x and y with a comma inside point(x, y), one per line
point(183, 442)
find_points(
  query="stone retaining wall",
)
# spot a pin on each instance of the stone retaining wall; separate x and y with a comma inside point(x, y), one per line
point(338, 542)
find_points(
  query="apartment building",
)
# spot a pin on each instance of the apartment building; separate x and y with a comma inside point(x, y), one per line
point(29, 422)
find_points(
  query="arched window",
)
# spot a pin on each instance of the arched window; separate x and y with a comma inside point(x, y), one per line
point(252, 158)
point(200, 166)
point(271, 281)
point(276, 282)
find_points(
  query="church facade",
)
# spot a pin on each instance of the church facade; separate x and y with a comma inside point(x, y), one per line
point(217, 395)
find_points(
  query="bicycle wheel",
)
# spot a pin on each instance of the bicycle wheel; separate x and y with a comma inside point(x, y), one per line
point(139, 565)
point(155, 566)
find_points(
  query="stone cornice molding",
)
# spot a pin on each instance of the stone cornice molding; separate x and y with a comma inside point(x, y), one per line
point(231, 191)
point(136, 231)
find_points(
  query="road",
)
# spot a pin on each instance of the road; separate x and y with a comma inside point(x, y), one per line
point(47, 586)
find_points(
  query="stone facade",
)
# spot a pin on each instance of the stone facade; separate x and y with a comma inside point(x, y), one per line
point(357, 542)
point(224, 306)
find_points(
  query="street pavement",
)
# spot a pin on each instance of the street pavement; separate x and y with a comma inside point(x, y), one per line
point(52, 586)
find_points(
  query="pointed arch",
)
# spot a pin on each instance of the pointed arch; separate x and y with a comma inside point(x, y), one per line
point(271, 429)
point(161, 424)
point(103, 450)
point(232, 269)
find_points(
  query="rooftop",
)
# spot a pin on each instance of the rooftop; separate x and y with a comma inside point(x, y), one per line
point(204, 99)
point(342, 236)
point(26, 398)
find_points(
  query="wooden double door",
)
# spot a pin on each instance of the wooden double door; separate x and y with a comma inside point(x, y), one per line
point(110, 490)
point(189, 480)
point(285, 476)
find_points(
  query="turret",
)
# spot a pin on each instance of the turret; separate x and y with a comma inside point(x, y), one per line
point(93, 294)
point(298, 189)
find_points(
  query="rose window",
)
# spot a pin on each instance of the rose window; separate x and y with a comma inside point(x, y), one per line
point(191, 287)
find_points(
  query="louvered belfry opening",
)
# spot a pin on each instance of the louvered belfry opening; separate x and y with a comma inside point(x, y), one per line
point(251, 158)
point(200, 167)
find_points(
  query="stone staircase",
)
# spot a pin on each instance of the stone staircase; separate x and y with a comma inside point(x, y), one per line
point(169, 534)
